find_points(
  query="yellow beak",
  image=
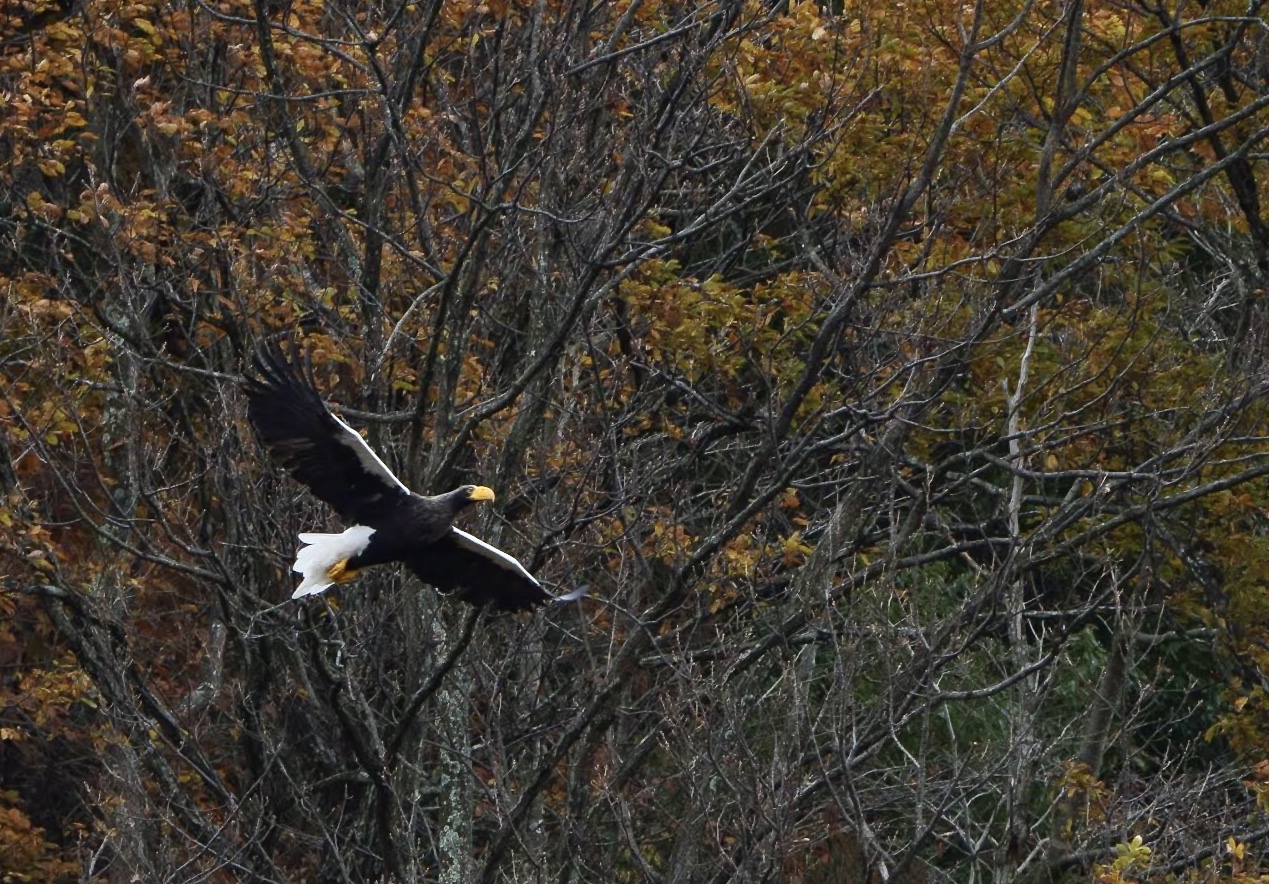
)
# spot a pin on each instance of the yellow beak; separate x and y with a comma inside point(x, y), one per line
point(480, 492)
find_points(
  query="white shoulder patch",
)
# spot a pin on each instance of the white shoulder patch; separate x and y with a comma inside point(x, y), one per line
point(493, 554)
point(370, 461)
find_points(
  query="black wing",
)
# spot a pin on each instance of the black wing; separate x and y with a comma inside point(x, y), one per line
point(477, 573)
point(315, 447)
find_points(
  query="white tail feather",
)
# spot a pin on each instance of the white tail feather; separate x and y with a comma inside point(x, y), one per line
point(323, 552)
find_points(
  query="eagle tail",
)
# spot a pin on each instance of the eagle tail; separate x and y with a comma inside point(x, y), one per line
point(322, 553)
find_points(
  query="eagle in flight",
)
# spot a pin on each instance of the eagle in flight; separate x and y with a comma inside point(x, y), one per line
point(388, 522)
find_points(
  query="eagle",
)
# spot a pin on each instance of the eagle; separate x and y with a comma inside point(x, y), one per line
point(388, 522)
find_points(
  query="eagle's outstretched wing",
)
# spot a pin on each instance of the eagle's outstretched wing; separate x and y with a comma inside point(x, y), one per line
point(317, 448)
point(476, 572)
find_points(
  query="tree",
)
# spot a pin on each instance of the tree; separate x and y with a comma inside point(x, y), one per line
point(892, 376)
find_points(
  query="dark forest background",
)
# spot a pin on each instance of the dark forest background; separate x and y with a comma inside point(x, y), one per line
point(892, 374)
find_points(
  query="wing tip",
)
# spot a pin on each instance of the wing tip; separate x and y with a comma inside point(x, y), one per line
point(576, 595)
point(272, 368)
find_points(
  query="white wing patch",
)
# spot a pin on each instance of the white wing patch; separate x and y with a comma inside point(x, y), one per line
point(493, 554)
point(370, 461)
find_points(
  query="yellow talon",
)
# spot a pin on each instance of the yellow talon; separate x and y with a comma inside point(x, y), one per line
point(340, 572)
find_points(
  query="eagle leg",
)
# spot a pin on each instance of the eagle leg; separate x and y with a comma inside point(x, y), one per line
point(341, 573)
